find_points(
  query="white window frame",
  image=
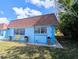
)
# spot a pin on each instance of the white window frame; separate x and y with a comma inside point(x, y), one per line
point(40, 29)
point(19, 33)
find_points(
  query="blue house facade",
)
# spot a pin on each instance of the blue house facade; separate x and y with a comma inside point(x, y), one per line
point(3, 31)
point(36, 34)
point(38, 29)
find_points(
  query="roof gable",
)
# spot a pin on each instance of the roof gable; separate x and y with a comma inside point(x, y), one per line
point(48, 19)
point(3, 26)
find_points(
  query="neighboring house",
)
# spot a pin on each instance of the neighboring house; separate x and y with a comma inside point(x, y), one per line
point(38, 29)
point(3, 31)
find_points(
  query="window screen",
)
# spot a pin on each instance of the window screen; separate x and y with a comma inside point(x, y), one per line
point(19, 31)
point(40, 30)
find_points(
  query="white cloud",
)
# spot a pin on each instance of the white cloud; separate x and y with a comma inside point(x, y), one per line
point(34, 1)
point(26, 12)
point(4, 20)
point(44, 3)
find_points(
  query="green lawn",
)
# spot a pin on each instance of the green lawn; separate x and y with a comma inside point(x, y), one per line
point(7, 45)
point(16, 51)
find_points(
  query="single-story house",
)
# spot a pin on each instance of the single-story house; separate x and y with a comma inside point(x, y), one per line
point(38, 29)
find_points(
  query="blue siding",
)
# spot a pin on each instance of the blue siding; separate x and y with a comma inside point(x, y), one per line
point(11, 32)
point(7, 33)
point(29, 31)
point(51, 33)
point(3, 34)
point(41, 38)
point(34, 38)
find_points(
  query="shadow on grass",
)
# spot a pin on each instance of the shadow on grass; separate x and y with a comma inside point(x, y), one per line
point(36, 52)
point(70, 51)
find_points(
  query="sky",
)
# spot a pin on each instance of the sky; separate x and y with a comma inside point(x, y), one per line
point(18, 9)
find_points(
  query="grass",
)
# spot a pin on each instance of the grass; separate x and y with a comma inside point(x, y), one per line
point(6, 45)
point(13, 50)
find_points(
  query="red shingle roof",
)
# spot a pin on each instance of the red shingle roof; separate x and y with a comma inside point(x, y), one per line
point(3, 26)
point(48, 19)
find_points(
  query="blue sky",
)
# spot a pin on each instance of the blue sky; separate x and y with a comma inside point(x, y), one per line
point(17, 9)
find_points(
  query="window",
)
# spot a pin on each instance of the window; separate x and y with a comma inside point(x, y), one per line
point(19, 31)
point(37, 30)
point(41, 30)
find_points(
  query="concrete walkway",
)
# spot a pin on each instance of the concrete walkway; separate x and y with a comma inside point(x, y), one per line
point(57, 45)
